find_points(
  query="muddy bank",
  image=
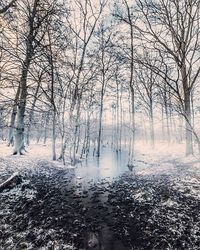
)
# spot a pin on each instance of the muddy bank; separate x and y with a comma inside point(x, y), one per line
point(52, 209)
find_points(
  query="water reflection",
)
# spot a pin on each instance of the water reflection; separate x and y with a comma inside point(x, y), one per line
point(92, 170)
point(109, 165)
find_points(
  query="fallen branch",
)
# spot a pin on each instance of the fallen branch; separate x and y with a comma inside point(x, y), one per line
point(11, 182)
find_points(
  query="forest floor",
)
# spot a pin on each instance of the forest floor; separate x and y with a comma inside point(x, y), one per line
point(154, 207)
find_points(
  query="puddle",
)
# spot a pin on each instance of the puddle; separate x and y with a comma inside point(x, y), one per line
point(110, 165)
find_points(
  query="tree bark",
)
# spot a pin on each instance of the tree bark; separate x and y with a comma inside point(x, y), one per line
point(13, 117)
point(21, 107)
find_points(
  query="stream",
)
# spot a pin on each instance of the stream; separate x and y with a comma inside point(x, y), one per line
point(100, 171)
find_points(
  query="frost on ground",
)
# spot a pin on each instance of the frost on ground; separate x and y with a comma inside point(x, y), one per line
point(154, 207)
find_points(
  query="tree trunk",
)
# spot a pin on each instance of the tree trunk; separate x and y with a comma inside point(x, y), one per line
point(63, 147)
point(188, 132)
point(54, 135)
point(118, 120)
point(167, 122)
point(167, 114)
point(19, 127)
point(45, 127)
point(32, 113)
point(19, 131)
point(77, 124)
point(87, 147)
point(132, 139)
point(78, 139)
point(100, 124)
point(13, 117)
point(187, 112)
point(84, 144)
point(21, 107)
point(152, 126)
point(121, 119)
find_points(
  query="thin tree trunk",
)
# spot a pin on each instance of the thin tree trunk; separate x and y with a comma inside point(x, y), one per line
point(53, 106)
point(77, 124)
point(132, 139)
point(145, 129)
point(152, 126)
point(45, 128)
point(54, 135)
point(117, 118)
point(78, 138)
point(163, 124)
point(121, 119)
point(32, 113)
point(167, 123)
point(188, 116)
point(100, 123)
point(84, 144)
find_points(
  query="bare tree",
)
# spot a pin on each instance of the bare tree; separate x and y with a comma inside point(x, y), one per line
point(146, 81)
point(125, 15)
point(89, 14)
point(35, 16)
point(171, 28)
point(105, 63)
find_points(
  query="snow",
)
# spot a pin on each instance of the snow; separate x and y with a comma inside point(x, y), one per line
point(183, 173)
point(161, 160)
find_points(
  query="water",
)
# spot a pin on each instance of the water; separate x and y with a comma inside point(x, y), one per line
point(92, 170)
point(108, 166)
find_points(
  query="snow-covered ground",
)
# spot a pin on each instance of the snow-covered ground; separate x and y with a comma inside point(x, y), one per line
point(154, 170)
point(162, 159)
